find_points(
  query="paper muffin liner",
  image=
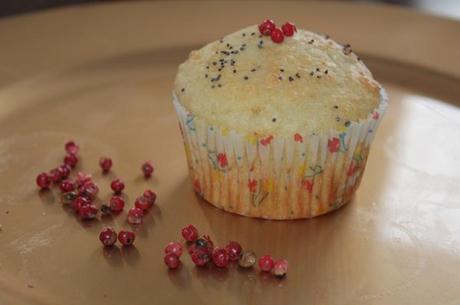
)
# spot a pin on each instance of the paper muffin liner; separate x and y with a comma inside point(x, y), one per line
point(274, 177)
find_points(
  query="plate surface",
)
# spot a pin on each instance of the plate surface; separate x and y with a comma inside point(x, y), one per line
point(108, 87)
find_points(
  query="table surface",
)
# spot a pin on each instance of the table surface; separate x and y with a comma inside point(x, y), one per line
point(103, 74)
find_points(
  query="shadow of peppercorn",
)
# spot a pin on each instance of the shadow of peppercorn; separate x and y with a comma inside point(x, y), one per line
point(201, 273)
point(110, 175)
point(155, 211)
point(151, 180)
point(112, 256)
point(91, 225)
point(107, 219)
point(268, 279)
point(180, 277)
point(211, 273)
point(47, 196)
point(130, 255)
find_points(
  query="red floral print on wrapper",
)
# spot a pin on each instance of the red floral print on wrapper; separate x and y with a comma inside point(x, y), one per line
point(222, 159)
point(266, 141)
point(197, 185)
point(333, 145)
point(352, 169)
point(308, 185)
point(298, 138)
point(252, 185)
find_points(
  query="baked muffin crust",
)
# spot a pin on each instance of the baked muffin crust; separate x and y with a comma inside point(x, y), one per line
point(307, 84)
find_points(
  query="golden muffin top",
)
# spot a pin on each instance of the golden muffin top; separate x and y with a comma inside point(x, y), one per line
point(247, 82)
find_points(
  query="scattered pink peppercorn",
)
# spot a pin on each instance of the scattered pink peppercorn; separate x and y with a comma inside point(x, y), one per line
point(234, 249)
point(105, 163)
point(87, 212)
point(117, 186)
point(192, 248)
point(174, 248)
point(71, 148)
point(266, 27)
point(266, 263)
point(151, 196)
point(71, 160)
point(65, 170)
point(172, 261)
point(43, 181)
point(117, 203)
point(147, 169)
point(277, 35)
point(220, 257)
point(135, 216)
point(190, 233)
point(89, 189)
point(142, 203)
point(82, 178)
point(108, 236)
point(280, 268)
point(80, 202)
point(200, 257)
point(55, 175)
point(126, 237)
point(67, 185)
point(288, 29)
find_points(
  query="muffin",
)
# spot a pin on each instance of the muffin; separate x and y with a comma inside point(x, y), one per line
point(277, 128)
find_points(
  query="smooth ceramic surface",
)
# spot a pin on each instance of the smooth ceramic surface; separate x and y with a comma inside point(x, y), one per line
point(398, 242)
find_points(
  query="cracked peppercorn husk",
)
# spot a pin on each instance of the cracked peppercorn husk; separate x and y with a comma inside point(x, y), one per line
point(105, 210)
point(247, 259)
point(68, 198)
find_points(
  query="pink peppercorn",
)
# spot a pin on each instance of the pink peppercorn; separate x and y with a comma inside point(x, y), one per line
point(71, 160)
point(108, 236)
point(89, 189)
point(190, 233)
point(220, 257)
point(174, 248)
point(67, 186)
point(43, 181)
point(55, 175)
point(87, 212)
point(234, 250)
point(280, 268)
point(117, 186)
point(105, 163)
point(80, 202)
point(266, 263)
point(117, 203)
point(142, 203)
point(200, 257)
point(147, 169)
point(126, 237)
point(71, 148)
point(266, 27)
point(64, 169)
point(172, 261)
point(151, 196)
point(288, 29)
point(277, 36)
point(135, 216)
point(82, 178)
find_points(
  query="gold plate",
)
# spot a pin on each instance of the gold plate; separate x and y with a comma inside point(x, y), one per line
point(102, 75)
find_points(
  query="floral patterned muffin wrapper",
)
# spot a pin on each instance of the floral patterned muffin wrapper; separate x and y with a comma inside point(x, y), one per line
point(275, 177)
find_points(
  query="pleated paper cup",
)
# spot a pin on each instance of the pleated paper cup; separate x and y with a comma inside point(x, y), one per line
point(277, 177)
